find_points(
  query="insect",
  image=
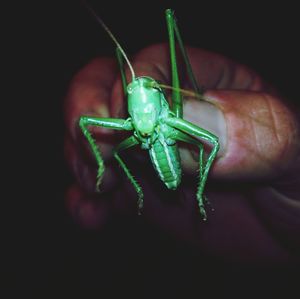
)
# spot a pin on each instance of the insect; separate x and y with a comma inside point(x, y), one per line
point(156, 126)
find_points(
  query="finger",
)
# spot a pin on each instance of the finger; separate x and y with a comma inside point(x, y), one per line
point(93, 211)
point(89, 93)
point(212, 71)
point(217, 72)
point(259, 134)
point(86, 210)
point(85, 169)
point(233, 231)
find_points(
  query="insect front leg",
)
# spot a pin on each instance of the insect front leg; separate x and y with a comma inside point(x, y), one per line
point(196, 132)
point(110, 123)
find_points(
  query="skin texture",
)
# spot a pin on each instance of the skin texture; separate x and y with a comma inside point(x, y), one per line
point(253, 185)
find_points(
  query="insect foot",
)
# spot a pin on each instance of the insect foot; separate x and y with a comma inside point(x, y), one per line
point(201, 202)
point(99, 179)
point(140, 205)
point(203, 212)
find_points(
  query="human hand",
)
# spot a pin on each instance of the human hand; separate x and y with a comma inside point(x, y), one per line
point(254, 182)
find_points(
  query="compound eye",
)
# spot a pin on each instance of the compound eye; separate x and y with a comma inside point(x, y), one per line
point(129, 89)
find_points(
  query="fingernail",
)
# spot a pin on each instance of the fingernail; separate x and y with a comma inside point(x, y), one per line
point(209, 117)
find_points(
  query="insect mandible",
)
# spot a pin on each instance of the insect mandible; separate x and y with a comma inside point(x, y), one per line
point(156, 126)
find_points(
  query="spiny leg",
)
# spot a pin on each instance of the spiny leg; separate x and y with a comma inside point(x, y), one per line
point(180, 136)
point(176, 97)
point(110, 123)
point(127, 143)
point(197, 132)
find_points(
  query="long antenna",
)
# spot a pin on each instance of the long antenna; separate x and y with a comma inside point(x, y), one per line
point(181, 90)
point(112, 37)
point(185, 92)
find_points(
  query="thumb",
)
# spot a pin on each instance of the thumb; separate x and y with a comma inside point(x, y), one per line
point(258, 134)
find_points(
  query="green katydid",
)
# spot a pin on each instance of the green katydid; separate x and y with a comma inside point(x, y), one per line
point(155, 125)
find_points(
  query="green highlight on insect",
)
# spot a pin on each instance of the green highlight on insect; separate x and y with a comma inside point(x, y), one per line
point(156, 126)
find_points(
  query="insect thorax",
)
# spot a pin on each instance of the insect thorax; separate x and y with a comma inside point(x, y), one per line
point(146, 105)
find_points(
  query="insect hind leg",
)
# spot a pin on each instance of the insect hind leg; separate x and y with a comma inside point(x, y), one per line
point(173, 32)
point(186, 128)
point(201, 198)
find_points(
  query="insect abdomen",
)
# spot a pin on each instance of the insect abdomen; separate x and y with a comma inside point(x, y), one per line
point(166, 161)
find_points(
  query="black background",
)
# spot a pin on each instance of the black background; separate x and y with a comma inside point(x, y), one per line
point(45, 253)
